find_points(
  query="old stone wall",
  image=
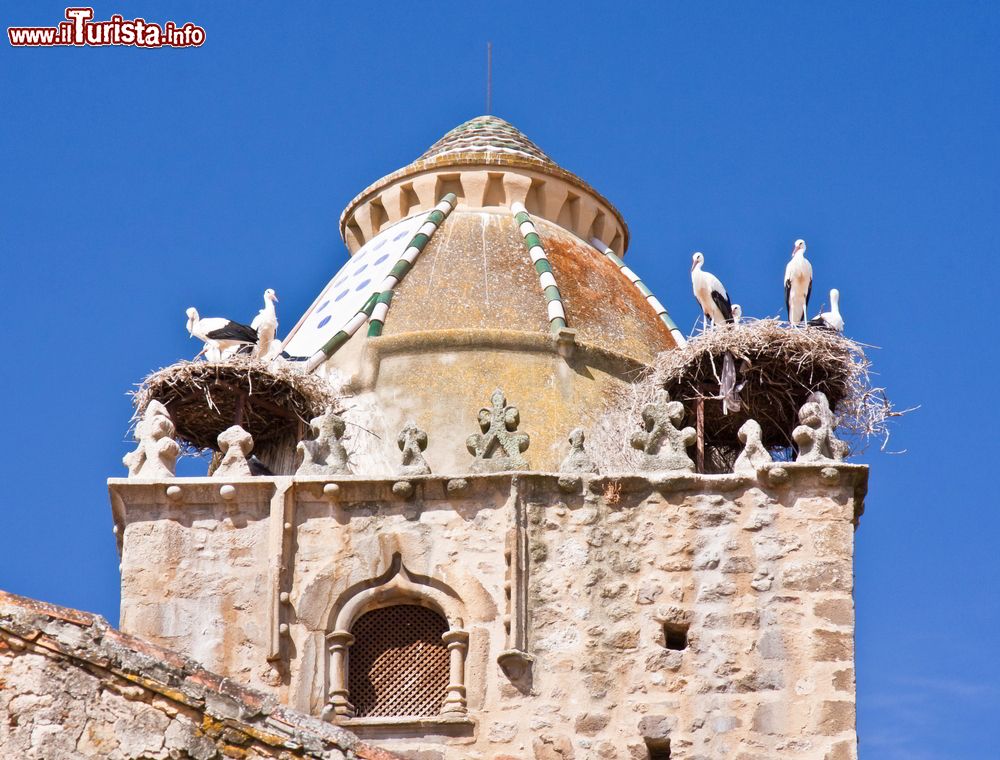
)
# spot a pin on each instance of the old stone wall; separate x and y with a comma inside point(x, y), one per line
point(712, 614)
point(759, 580)
point(194, 573)
point(72, 688)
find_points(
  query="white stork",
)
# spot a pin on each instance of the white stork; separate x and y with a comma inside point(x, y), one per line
point(830, 320)
point(221, 336)
point(265, 324)
point(737, 313)
point(798, 283)
point(710, 293)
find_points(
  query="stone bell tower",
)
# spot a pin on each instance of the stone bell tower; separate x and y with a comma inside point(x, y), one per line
point(446, 569)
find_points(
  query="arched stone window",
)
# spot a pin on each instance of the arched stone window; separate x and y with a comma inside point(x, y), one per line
point(398, 662)
point(397, 650)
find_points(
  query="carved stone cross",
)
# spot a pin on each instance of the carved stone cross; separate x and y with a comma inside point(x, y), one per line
point(664, 445)
point(498, 448)
point(235, 443)
point(815, 436)
point(156, 454)
point(578, 460)
point(412, 441)
point(324, 455)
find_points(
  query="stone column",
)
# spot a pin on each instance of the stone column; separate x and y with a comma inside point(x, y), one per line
point(338, 704)
point(458, 644)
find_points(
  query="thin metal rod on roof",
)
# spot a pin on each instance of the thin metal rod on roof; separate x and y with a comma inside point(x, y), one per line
point(489, 77)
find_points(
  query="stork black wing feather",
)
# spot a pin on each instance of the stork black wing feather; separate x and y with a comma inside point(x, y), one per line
point(234, 331)
point(788, 299)
point(809, 293)
point(257, 467)
point(724, 304)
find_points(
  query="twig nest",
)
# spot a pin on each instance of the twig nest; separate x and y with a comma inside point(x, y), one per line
point(204, 398)
point(777, 369)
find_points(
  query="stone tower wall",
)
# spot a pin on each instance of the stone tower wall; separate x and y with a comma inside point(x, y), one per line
point(755, 571)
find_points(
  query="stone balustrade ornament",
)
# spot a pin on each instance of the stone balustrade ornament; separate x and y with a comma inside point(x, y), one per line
point(235, 443)
point(815, 436)
point(498, 448)
point(156, 454)
point(662, 442)
point(578, 460)
point(754, 455)
point(412, 441)
point(324, 455)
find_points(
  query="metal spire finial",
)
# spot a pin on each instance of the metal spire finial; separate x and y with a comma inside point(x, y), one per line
point(489, 77)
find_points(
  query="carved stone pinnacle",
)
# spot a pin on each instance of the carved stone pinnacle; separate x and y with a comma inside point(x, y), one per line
point(235, 443)
point(754, 455)
point(662, 443)
point(324, 455)
point(498, 448)
point(412, 441)
point(156, 454)
point(815, 436)
point(578, 460)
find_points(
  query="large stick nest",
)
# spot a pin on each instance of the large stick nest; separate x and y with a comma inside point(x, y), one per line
point(270, 399)
point(778, 367)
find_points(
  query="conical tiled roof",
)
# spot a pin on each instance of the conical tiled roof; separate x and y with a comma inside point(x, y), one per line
point(485, 135)
point(484, 143)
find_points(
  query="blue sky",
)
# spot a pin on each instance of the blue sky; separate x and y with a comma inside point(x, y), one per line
point(138, 182)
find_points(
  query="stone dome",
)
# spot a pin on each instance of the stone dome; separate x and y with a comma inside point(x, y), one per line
point(483, 265)
point(475, 274)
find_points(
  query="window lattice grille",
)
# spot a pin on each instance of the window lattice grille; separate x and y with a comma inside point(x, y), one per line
point(398, 664)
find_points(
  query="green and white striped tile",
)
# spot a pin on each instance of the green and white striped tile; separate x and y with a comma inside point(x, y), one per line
point(405, 262)
point(658, 307)
point(532, 241)
point(376, 306)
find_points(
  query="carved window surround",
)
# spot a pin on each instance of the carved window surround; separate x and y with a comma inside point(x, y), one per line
point(397, 586)
point(441, 725)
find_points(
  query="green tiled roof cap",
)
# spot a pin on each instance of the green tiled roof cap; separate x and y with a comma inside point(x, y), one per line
point(486, 134)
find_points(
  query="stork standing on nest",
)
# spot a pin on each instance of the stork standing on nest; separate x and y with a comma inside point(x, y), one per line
point(265, 324)
point(798, 283)
point(830, 320)
point(710, 293)
point(222, 337)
